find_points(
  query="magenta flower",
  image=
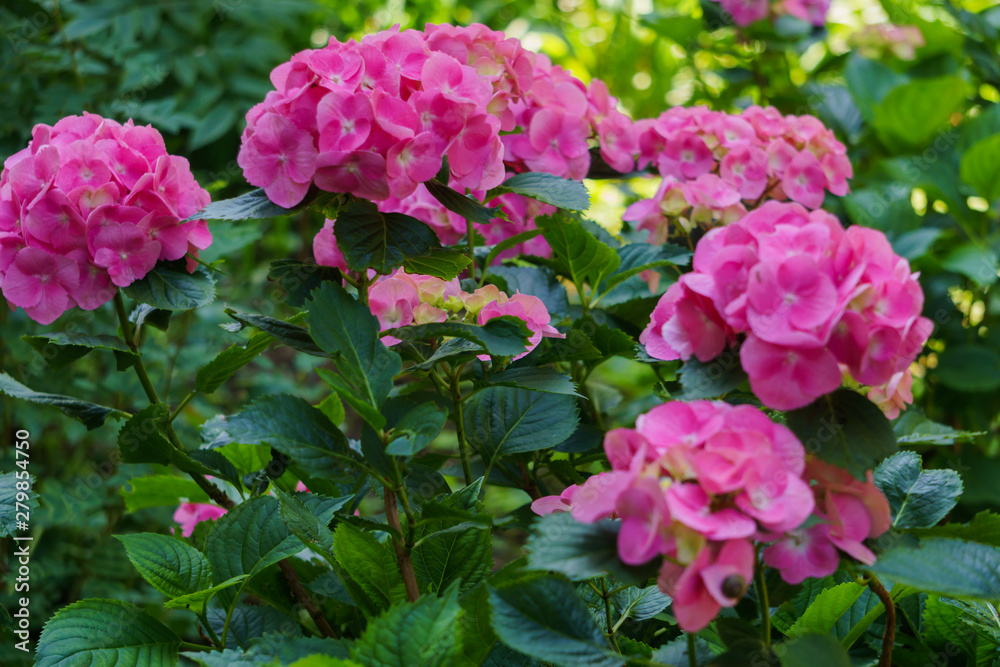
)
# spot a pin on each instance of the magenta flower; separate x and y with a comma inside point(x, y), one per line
point(717, 578)
point(189, 515)
point(41, 283)
point(803, 553)
point(279, 157)
point(126, 252)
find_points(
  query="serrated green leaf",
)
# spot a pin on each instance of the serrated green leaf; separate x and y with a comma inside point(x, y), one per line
point(467, 207)
point(216, 372)
point(984, 528)
point(346, 329)
point(288, 333)
point(918, 498)
point(713, 379)
point(372, 239)
point(638, 257)
point(349, 394)
point(945, 566)
point(91, 414)
point(416, 429)
point(140, 441)
point(941, 625)
point(105, 632)
point(846, 429)
point(370, 565)
point(502, 420)
point(550, 189)
point(508, 243)
point(536, 379)
point(61, 349)
point(640, 604)
point(249, 538)
point(253, 205)
point(299, 279)
point(443, 263)
point(453, 543)
point(169, 565)
point(579, 254)
point(822, 614)
point(813, 651)
point(169, 286)
point(198, 601)
point(544, 617)
point(161, 491)
point(423, 633)
point(293, 427)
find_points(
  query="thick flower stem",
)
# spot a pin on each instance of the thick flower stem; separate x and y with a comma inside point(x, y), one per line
point(692, 653)
point(302, 596)
point(765, 608)
point(402, 550)
point(890, 620)
point(607, 615)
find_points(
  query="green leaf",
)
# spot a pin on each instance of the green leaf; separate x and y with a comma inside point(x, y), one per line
point(161, 491)
point(504, 336)
point(536, 379)
point(545, 618)
point(822, 614)
point(349, 394)
point(845, 429)
point(416, 429)
point(501, 420)
point(869, 81)
point(213, 126)
point(198, 601)
point(171, 566)
point(813, 651)
point(910, 114)
point(640, 604)
point(8, 503)
point(299, 279)
point(559, 543)
point(105, 632)
point(984, 528)
point(372, 239)
point(214, 374)
point(293, 427)
point(345, 328)
point(638, 257)
point(981, 167)
point(944, 566)
point(969, 368)
point(443, 263)
point(974, 261)
point(918, 498)
point(942, 624)
point(467, 207)
point(288, 333)
point(140, 441)
point(61, 349)
point(579, 253)
point(169, 286)
point(454, 350)
point(550, 189)
point(449, 547)
point(253, 205)
point(712, 379)
point(913, 428)
point(249, 538)
point(91, 414)
point(368, 564)
point(422, 633)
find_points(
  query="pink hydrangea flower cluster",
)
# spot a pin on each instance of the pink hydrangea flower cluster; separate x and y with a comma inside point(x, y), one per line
point(811, 300)
point(902, 41)
point(745, 12)
point(90, 206)
point(377, 118)
point(715, 165)
point(849, 512)
point(402, 299)
point(696, 482)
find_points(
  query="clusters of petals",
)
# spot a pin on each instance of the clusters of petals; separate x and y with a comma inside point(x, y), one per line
point(696, 482)
point(90, 206)
point(745, 12)
point(402, 299)
point(807, 299)
point(716, 165)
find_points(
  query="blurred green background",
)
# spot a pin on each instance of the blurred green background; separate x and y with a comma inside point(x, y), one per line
point(193, 68)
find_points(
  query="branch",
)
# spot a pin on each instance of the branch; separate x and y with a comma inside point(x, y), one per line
point(890, 620)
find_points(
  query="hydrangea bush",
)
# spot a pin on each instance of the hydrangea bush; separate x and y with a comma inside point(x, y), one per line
point(757, 509)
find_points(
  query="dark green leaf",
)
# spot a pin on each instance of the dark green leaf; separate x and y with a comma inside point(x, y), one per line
point(814, 651)
point(504, 336)
point(918, 498)
point(580, 255)
point(501, 420)
point(974, 261)
point(560, 192)
point(508, 243)
point(969, 368)
point(249, 538)
point(443, 263)
point(371, 239)
point(416, 429)
point(638, 257)
point(91, 414)
point(712, 379)
point(253, 205)
point(290, 334)
point(169, 286)
point(845, 429)
point(299, 279)
point(171, 566)
point(62, 349)
point(467, 207)
point(944, 566)
point(160, 491)
point(981, 167)
point(214, 374)
point(371, 566)
point(535, 379)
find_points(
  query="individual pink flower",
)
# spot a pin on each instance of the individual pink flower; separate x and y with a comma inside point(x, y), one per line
point(126, 252)
point(683, 326)
point(41, 283)
point(787, 378)
point(552, 504)
point(525, 307)
point(279, 157)
point(717, 578)
point(804, 180)
point(392, 300)
point(189, 515)
point(804, 553)
point(895, 395)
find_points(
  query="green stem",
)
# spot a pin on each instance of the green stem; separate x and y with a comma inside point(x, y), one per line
point(140, 368)
point(765, 609)
point(203, 617)
point(463, 445)
point(470, 237)
point(692, 655)
point(182, 405)
point(607, 615)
